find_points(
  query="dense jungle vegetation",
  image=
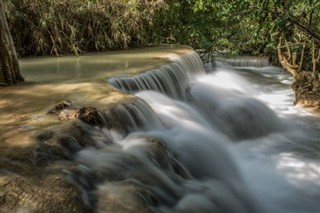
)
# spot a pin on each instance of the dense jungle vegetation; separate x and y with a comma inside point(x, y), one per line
point(240, 26)
point(286, 31)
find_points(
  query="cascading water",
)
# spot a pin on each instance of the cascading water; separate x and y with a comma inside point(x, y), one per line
point(172, 79)
point(204, 143)
point(248, 62)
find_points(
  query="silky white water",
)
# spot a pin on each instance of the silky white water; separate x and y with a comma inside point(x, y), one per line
point(228, 141)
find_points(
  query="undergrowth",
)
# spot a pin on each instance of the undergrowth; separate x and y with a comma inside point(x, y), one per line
point(55, 27)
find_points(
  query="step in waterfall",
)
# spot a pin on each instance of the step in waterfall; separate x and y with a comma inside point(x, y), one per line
point(172, 79)
point(198, 142)
point(247, 62)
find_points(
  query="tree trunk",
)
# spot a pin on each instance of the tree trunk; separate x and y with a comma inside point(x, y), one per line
point(9, 64)
point(315, 61)
point(286, 62)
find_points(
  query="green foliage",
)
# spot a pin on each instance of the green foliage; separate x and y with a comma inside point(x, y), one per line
point(73, 26)
point(42, 27)
point(200, 23)
point(298, 21)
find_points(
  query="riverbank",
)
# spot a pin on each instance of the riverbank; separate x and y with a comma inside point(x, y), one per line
point(307, 94)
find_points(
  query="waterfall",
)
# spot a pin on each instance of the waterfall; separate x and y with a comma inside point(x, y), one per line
point(198, 142)
point(137, 116)
point(172, 79)
point(248, 62)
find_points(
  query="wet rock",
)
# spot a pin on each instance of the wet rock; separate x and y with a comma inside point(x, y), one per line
point(160, 154)
point(124, 197)
point(37, 189)
point(46, 135)
point(89, 115)
point(82, 178)
point(114, 122)
point(56, 109)
point(46, 152)
point(67, 114)
point(64, 142)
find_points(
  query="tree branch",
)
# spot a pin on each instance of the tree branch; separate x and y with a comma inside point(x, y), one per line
point(302, 57)
point(314, 35)
point(284, 62)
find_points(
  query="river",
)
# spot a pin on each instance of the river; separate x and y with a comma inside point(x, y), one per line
point(236, 127)
point(222, 140)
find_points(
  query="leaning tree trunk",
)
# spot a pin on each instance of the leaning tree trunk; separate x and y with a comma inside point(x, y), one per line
point(287, 61)
point(9, 65)
point(307, 84)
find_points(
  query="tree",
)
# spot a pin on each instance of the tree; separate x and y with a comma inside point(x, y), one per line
point(9, 65)
point(290, 62)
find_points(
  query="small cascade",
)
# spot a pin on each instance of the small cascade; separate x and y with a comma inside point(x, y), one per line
point(248, 62)
point(137, 116)
point(193, 142)
point(169, 162)
point(228, 107)
point(172, 79)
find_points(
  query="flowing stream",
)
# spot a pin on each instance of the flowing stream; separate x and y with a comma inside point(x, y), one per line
point(239, 143)
point(227, 140)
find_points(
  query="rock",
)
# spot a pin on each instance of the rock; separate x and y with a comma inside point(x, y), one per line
point(56, 109)
point(67, 114)
point(89, 115)
point(37, 189)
